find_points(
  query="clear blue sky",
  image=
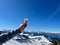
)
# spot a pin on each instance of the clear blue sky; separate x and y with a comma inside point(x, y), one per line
point(43, 15)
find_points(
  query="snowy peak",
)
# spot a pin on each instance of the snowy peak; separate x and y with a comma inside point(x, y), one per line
point(38, 41)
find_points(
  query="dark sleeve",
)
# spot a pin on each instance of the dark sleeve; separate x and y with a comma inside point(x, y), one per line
point(8, 36)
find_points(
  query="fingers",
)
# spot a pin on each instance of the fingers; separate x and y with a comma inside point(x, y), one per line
point(25, 20)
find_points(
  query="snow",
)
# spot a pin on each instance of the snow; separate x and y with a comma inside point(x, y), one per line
point(41, 41)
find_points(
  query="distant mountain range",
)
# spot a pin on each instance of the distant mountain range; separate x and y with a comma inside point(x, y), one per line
point(50, 36)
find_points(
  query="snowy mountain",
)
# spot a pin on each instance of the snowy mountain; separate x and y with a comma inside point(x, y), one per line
point(50, 36)
point(33, 38)
point(41, 41)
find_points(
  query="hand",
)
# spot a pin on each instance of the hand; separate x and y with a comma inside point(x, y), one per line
point(23, 25)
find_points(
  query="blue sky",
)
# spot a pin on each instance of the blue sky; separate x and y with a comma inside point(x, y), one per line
point(43, 15)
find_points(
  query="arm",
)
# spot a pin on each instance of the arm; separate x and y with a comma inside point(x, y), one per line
point(10, 35)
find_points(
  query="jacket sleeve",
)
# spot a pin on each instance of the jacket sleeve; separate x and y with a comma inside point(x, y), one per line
point(6, 37)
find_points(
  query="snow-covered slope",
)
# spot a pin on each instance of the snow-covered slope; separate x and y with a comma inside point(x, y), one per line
point(41, 41)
